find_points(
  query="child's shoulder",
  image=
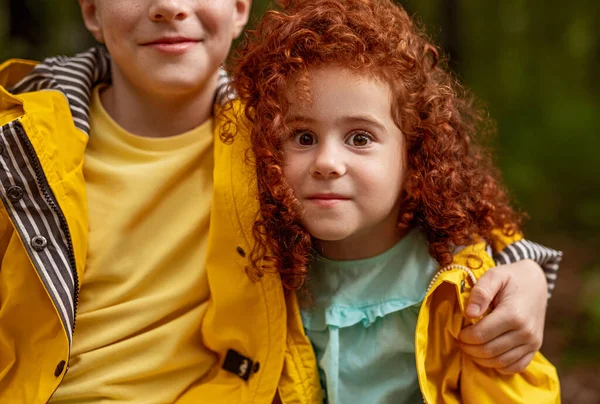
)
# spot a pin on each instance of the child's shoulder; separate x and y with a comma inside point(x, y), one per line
point(71, 79)
point(454, 282)
point(87, 67)
point(477, 257)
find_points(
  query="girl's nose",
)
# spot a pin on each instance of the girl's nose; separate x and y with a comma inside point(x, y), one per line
point(328, 162)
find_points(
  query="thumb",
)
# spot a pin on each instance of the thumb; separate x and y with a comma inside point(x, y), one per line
point(484, 292)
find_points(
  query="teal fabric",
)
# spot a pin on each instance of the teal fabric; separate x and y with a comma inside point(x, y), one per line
point(362, 323)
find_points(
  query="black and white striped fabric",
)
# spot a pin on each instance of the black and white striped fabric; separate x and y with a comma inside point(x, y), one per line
point(33, 209)
point(76, 76)
point(547, 258)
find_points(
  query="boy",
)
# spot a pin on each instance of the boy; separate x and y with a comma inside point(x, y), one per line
point(124, 146)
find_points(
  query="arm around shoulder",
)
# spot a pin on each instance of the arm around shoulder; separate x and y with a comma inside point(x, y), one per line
point(508, 249)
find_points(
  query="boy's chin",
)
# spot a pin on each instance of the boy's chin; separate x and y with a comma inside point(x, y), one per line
point(172, 84)
point(184, 78)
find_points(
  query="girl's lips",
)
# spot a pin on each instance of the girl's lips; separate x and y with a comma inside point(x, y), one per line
point(327, 200)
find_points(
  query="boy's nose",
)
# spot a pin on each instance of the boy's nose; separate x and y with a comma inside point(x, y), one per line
point(328, 163)
point(169, 10)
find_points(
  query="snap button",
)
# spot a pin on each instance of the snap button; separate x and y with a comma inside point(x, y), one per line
point(462, 286)
point(38, 243)
point(256, 367)
point(14, 193)
point(59, 368)
point(238, 364)
point(241, 251)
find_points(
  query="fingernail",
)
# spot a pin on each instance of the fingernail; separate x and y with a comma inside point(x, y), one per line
point(473, 310)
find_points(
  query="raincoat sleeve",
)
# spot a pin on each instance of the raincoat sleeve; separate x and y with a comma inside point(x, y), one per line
point(446, 374)
point(509, 249)
point(538, 383)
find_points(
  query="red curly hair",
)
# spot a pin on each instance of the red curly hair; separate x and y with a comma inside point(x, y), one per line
point(451, 190)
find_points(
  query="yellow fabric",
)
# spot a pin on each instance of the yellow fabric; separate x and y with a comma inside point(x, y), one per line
point(446, 375)
point(247, 316)
point(144, 283)
point(34, 342)
point(500, 240)
point(254, 318)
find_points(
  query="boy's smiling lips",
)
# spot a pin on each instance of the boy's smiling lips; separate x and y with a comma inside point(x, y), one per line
point(175, 45)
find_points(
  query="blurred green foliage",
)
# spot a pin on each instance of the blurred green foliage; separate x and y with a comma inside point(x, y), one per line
point(534, 63)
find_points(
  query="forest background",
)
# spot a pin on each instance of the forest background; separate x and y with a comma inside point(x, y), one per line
point(536, 66)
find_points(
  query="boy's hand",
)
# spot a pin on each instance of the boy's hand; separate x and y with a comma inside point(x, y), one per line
point(508, 337)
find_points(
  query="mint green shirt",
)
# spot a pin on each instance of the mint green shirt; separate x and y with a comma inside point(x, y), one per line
point(363, 321)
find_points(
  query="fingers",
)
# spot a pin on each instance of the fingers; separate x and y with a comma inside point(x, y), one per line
point(503, 360)
point(511, 362)
point(509, 353)
point(492, 349)
point(491, 326)
point(518, 366)
point(504, 343)
point(508, 337)
point(484, 292)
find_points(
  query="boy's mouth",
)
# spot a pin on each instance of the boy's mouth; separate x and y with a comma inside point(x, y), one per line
point(175, 45)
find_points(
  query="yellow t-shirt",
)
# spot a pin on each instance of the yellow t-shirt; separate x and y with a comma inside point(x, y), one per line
point(144, 290)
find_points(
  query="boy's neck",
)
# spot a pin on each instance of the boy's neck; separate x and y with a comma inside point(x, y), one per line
point(157, 115)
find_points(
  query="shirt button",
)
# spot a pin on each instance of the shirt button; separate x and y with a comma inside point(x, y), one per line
point(38, 243)
point(59, 368)
point(14, 193)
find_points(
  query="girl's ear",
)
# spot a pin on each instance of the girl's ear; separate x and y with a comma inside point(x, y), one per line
point(91, 19)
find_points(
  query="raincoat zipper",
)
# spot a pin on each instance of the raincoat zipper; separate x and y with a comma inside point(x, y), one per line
point(44, 186)
point(435, 278)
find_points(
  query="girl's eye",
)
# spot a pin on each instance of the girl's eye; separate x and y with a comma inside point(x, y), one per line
point(360, 139)
point(304, 138)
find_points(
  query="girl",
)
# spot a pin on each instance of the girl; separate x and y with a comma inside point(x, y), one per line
point(377, 203)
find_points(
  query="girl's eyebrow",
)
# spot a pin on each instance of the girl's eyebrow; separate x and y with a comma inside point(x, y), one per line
point(364, 119)
point(354, 119)
point(299, 119)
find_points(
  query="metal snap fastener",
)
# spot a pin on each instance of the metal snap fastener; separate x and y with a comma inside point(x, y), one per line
point(462, 286)
point(241, 251)
point(59, 368)
point(243, 369)
point(14, 193)
point(256, 367)
point(38, 243)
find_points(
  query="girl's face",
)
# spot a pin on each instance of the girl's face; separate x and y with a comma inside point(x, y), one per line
point(345, 161)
